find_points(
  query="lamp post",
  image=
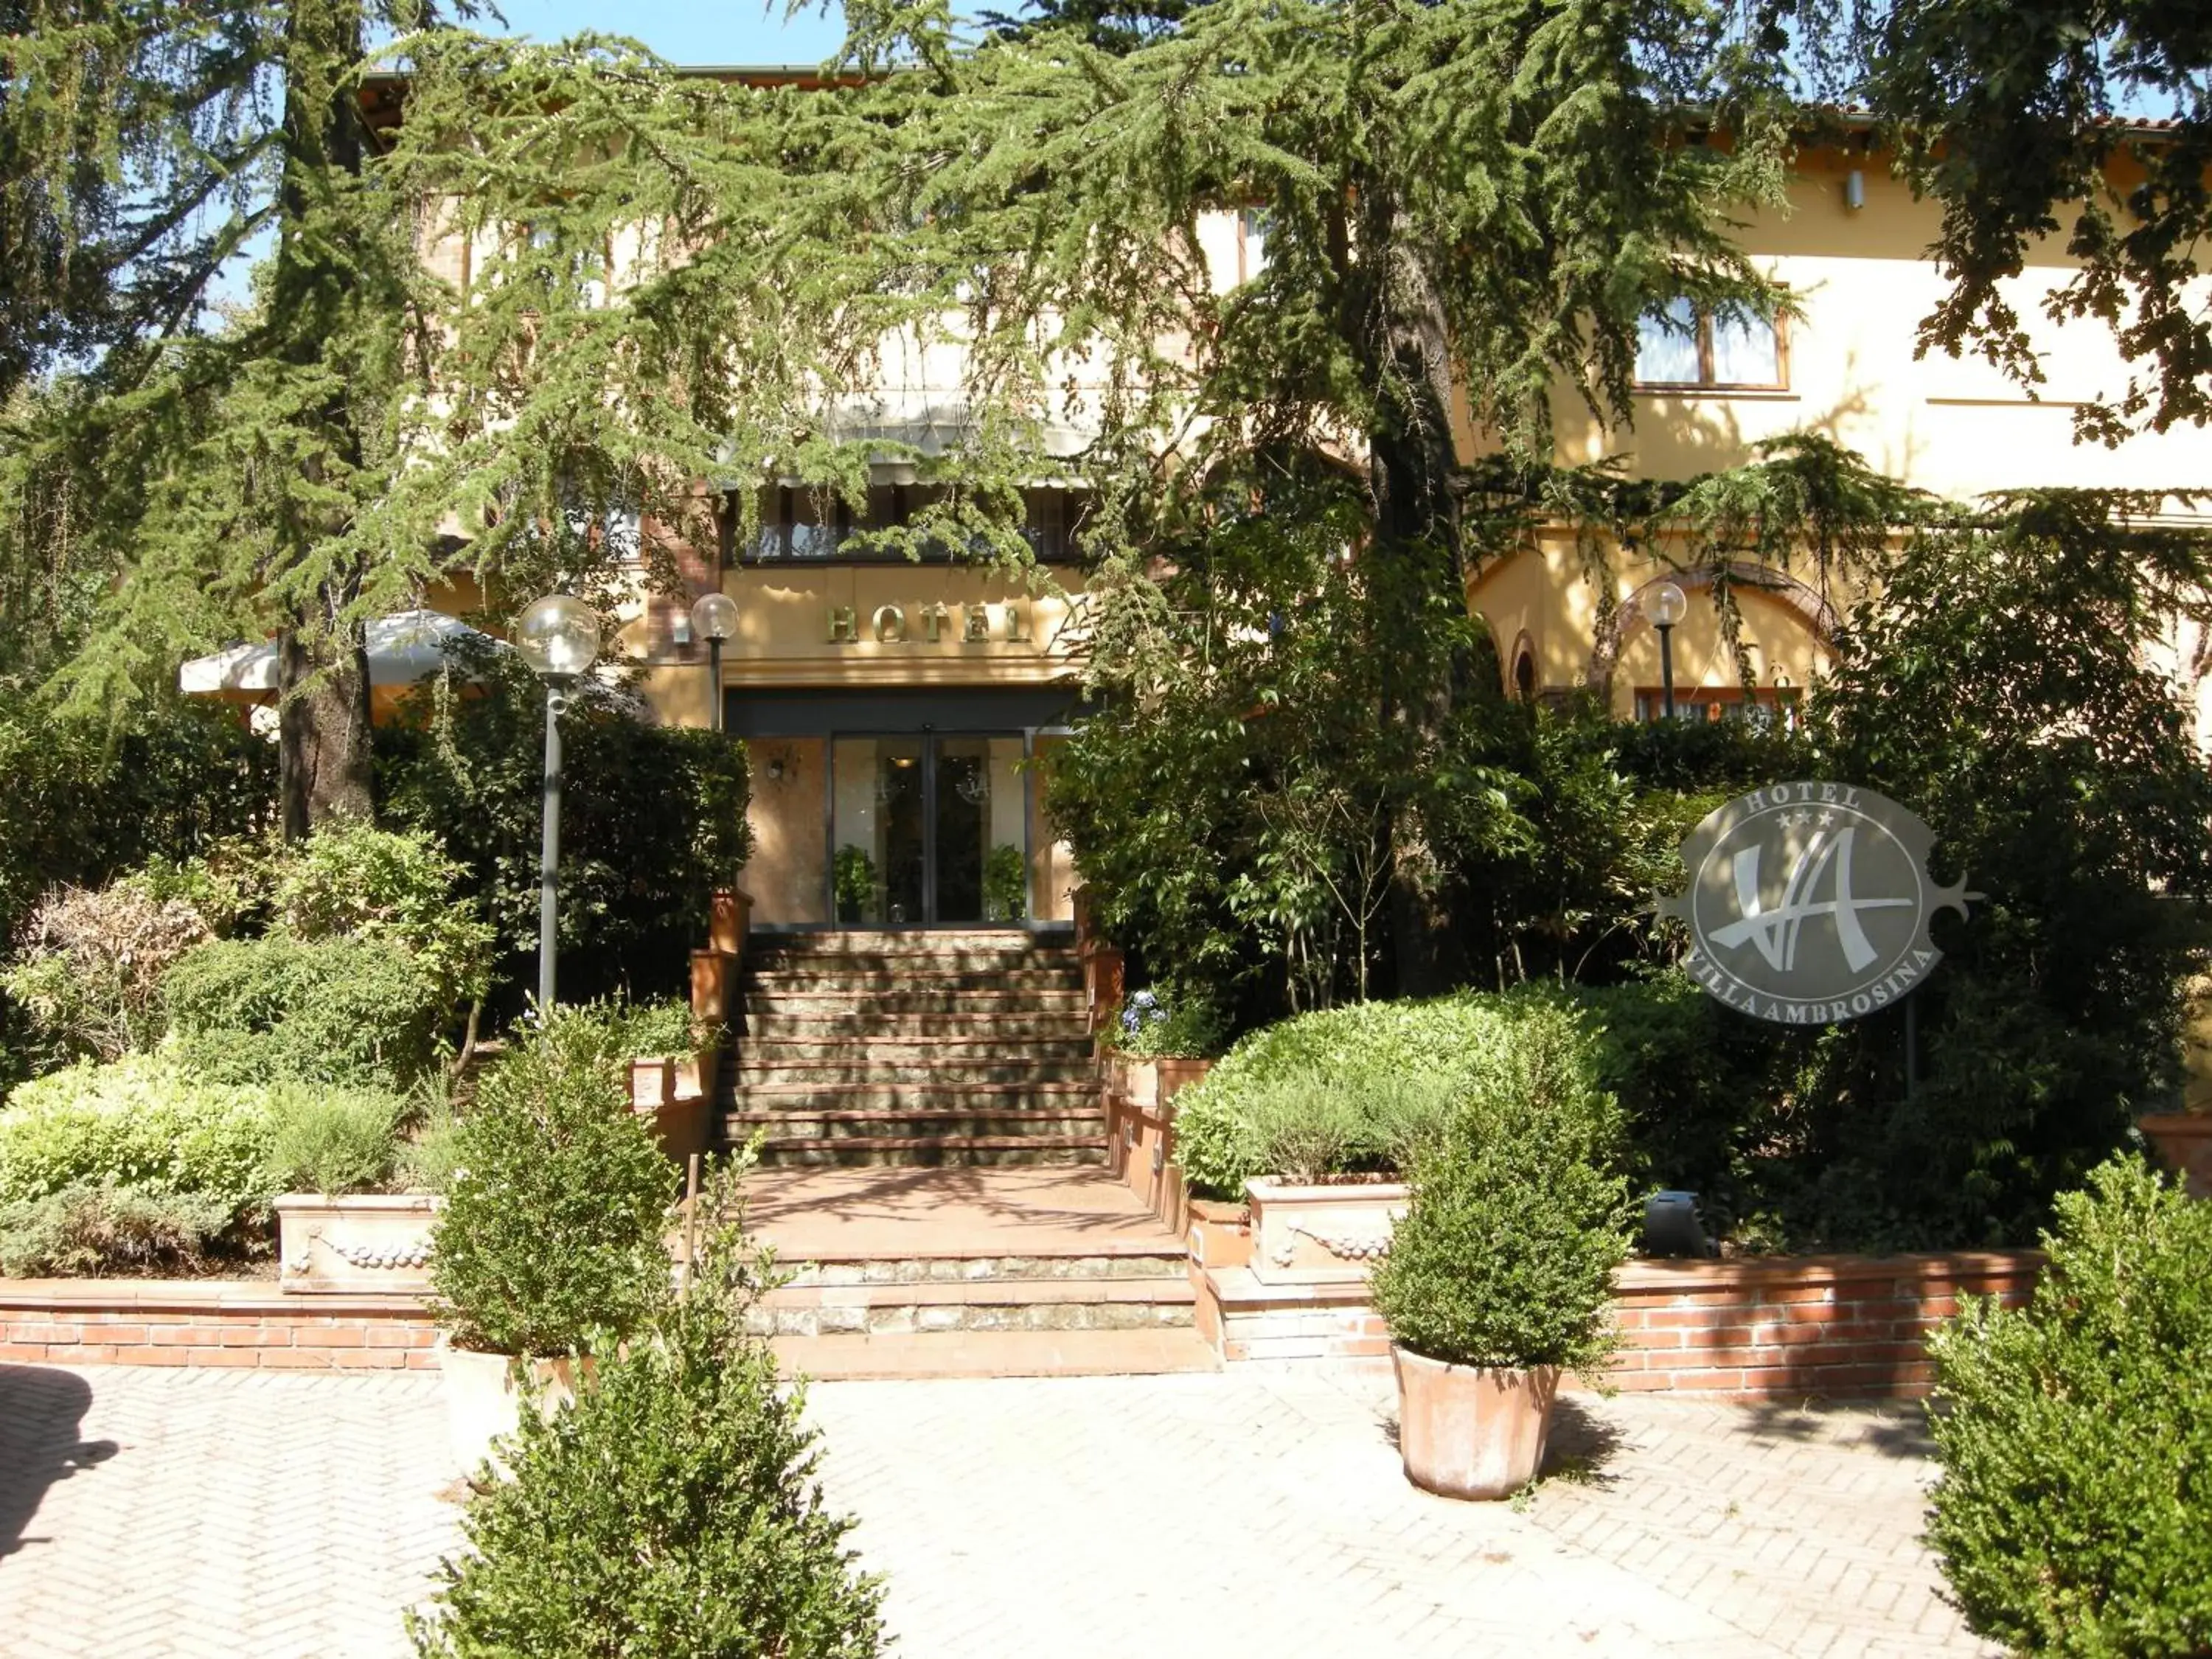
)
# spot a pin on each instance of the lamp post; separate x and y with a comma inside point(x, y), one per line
point(714, 619)
point(559, 636)
point(1666, 608)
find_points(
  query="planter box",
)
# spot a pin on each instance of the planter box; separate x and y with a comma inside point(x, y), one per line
point(375, 1242)
point(1321, 1234)
point(1173, 1073)
point(2184, 1140)
point(1219, 1235)
point(677, 1092)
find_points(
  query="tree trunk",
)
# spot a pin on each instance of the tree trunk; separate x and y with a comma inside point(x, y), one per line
point(322, 673)
point(322, 752)
point(1411, 462)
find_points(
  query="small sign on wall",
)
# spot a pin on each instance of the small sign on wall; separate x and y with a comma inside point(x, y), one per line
point(1810, 902)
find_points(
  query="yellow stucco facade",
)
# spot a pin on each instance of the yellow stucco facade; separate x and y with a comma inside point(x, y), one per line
point(1955, 427)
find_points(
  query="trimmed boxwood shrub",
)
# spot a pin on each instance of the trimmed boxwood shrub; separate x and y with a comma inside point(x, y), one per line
point(1506, 1252)
point(2074, 1514)
point(553, 1236)
point(671, 1508)
point(340, 1010)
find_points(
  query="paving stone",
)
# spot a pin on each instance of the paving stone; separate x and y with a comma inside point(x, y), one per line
point(157, 1512)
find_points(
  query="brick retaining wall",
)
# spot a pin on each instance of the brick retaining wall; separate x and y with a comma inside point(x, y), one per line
point(1832, 1325)
point(125, 1321)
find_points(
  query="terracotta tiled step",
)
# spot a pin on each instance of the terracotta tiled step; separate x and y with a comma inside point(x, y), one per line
point(996, 1353)
point(1001, 1304)
point(934, 1150)
point(968, 961)
point(1010, 1068)
point(912, 1124)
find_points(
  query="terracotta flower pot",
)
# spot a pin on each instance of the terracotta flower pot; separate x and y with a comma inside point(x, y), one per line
point(1466, 1431)
point(1176, 1072)
point(484, 1395)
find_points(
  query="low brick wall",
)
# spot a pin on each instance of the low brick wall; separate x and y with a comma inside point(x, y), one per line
point(1839, 1326)
point(229, 1322)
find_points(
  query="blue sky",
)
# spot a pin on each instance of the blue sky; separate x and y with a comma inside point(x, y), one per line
point(686, 31)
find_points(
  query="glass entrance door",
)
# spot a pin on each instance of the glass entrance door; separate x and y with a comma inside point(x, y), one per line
point(928, 831)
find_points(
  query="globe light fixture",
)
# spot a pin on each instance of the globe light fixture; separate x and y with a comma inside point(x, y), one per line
point(1665, 607)
point(559, 637)
point(714, 619)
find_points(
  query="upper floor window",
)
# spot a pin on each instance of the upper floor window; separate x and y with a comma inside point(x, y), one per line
point(796, 523)
point(1685, 347)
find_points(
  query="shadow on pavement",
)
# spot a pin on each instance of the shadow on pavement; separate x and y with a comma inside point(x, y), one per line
point(1893, 1428)
point(40, 1410)
point(1582, 1441)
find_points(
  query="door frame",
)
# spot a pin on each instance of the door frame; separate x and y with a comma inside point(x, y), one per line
point(930, 737)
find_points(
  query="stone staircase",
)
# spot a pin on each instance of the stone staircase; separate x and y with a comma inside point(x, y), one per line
point(914, 1048)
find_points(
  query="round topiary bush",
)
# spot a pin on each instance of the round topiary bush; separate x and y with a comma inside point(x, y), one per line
point(553, 1239)
point(1505, 1255)
point(2074, 1514)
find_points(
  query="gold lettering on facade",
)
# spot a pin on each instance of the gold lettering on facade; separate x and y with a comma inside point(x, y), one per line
point(889, 625)
point(933, 620)
point(978, 630)
point(1017, 622)
point(844, 625)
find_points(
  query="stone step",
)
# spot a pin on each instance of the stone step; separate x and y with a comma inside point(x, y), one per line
point(1020, 1096)
point(1097, 1258)
point(932, 1151)
point(784, 981)
point(911, 941)
point(995, 1353)
point(794, 1125)
point(754, 1072)
point(1006, 1304)
point(995, 1046)
point(783, 1001)
point(863, 1023)
point(969, 959)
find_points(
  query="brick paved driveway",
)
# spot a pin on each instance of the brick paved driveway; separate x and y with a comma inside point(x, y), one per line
point(254, 1513)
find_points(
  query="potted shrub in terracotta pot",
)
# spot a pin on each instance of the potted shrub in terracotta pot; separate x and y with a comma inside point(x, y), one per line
point(552, 1245)
point(672, 1054)
point(1500, 1273)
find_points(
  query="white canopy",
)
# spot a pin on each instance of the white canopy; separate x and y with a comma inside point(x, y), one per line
point(402, 648)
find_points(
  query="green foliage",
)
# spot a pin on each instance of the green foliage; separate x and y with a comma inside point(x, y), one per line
point(673, 1508)
point(141, 1125)
point(2074, 1513)
point(852, 879)
point(1369, 1057)
point(333, 1140)
point(553, 1236)
point(1168, 1023)
point(653, 820)
point(1006, 885)
point(2004, 686)
point(337, 1010)
point(1506, 1253)
point(351, 880)
point(647, 1031)
point(85, 1230)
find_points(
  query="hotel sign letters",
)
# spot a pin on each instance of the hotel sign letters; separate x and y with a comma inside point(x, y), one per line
point(1004, 621)
point(1809, 903)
